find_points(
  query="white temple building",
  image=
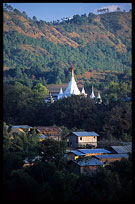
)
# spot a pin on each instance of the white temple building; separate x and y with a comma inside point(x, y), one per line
point(72, 88)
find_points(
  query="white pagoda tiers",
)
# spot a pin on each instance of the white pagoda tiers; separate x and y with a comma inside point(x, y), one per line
point(92, 95)
point(99, 98)
point(60, 95)
point(72, 88)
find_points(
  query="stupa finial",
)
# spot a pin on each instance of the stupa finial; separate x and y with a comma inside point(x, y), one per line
point(72, 71)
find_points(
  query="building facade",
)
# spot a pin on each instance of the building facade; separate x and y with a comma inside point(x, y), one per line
point(80, 139)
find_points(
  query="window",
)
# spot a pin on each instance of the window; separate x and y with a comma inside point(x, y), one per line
point(80, 138)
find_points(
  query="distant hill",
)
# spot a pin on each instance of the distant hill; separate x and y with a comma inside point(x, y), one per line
point(44, 51)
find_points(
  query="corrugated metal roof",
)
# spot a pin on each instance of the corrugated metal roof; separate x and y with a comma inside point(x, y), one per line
point(48, 128)
point(122, 149)
point(93, 151)
point(111, 156)
point(22, 126)
point(43, 136)
point(81, 134)
point(89, 162)
point(78, 153)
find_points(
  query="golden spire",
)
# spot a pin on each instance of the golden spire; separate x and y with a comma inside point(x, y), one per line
point(72, 71)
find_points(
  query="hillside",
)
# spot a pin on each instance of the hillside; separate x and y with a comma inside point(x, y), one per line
point(44, 51)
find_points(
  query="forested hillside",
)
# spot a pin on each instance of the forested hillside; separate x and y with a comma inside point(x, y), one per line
point(38, 55)
point(40, 51)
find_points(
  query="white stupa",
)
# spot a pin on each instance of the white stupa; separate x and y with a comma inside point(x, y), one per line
point(92, 96)
point(60, 95)
point(72, 88)
point(98, 97)
point(83, 92)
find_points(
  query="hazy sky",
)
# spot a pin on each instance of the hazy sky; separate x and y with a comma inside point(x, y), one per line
point(56, 11)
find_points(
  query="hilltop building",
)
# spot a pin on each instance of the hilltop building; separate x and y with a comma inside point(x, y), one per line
point(72, 88)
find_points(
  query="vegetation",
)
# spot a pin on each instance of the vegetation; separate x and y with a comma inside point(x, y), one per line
point(50, 178)
point(23, 105)
point(37, 51)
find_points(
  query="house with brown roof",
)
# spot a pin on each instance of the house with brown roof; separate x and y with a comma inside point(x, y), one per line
point(53, 132)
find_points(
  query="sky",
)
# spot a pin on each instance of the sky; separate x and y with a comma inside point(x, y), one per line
point(55, 11)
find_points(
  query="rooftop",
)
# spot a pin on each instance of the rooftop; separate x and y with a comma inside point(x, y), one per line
point(89, 162)
point(43, 136)
point(83, 152)
point(76, 152)
point(93, 151)
point(48, 128)
point(122, 149)
point(20, 126)
point(111, 156)
point(81, 134)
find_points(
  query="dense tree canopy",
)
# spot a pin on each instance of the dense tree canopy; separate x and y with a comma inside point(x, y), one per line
point(25, 55)
point(23, 105)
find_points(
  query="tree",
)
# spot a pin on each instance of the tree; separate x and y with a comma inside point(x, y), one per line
point(91, 17)
point(118, 9)
point(74, 112)
point(118, 121)
point(53, 151)
point(7, 7)
point(24, 14)
point(34, 18)
point(7, 142)
point(17, 11)
point(21, 104)
point(41, 89)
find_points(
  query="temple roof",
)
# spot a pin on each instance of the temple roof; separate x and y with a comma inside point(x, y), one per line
point(99, 95)
point(60, 95)
point(72, 87)
point(92, 94)
point(83, 91)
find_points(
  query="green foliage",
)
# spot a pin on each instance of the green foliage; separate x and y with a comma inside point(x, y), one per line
point(57, 58)
point(7, 143)
point(74, 112)
point(118, 121)
point(21, 104)
point(18, 23)
point(24, 92)
point(114, 25)
point(41, 89)
point(112, 118)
